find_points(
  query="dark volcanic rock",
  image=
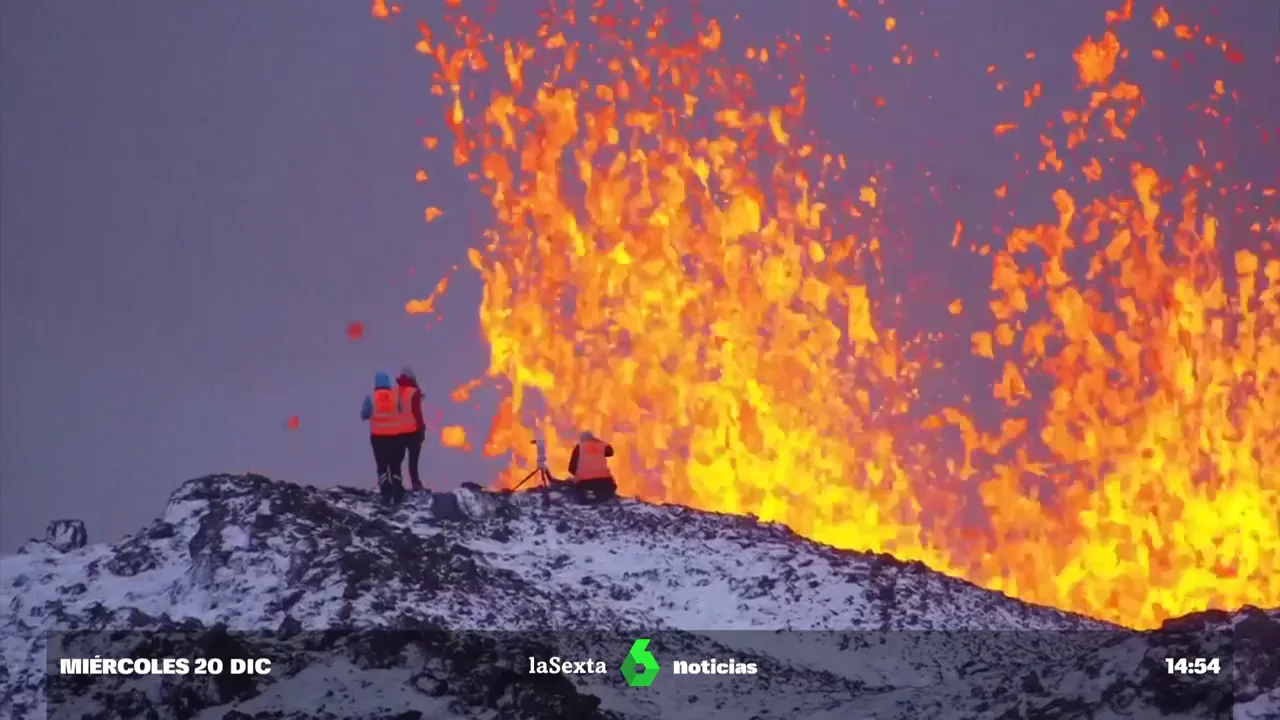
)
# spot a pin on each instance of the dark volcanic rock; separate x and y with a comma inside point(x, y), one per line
point(66, 535)
point(366, 611)
point(61, 536)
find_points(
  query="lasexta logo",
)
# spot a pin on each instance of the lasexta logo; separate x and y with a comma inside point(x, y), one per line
point(640, 667)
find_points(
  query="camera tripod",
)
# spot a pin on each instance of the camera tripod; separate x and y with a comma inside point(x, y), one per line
point(540, 472)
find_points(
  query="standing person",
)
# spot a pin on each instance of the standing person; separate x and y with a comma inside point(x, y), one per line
point(407, 385)
point(389, 421)
point(589, 466)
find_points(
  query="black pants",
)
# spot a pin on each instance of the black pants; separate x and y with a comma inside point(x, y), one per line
point(413, 444)
point(388, 454)
point(595, 490)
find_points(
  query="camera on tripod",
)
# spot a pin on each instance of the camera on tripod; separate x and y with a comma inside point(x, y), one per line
point(541, 453)
point(541, 472)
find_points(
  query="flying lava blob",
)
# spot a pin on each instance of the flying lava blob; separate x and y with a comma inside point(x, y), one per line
point(700, 277)
point(355, 330)
point(427, 305)
point(455, 436)
point(292, 423)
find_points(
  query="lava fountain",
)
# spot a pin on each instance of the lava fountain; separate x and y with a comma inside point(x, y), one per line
point(691, 271)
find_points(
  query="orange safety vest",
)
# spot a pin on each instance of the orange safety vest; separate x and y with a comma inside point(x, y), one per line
point(392, 412)
point(592, 464)
point(406, 405)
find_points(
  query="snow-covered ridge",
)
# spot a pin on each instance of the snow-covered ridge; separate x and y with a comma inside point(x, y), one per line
point(896, 640)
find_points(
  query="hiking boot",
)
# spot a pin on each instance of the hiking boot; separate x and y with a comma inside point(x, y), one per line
point(397, 489)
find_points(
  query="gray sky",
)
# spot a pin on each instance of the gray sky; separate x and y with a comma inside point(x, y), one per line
point(198, 197)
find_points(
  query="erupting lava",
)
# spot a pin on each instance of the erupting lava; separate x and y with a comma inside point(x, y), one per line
point(688, 271)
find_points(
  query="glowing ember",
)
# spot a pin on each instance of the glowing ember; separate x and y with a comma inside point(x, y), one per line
point(428, 304)
point(292, 422)
point(452, 436)
point(686, 272)
point(355, 330)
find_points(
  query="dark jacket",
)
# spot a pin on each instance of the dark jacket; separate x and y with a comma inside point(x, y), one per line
point(416, 402)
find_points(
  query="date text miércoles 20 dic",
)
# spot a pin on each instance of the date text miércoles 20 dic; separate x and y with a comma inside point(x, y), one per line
point(164, 666)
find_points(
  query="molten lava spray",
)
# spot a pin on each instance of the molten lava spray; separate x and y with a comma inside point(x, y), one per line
point(690, 272)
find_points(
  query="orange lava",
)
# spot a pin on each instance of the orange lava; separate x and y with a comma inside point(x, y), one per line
point(427, 305)
point(691, 274)
point(454, 436)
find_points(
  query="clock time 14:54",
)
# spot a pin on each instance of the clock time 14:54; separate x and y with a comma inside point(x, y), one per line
point(1193, 666)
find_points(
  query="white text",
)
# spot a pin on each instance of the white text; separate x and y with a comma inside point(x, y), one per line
point(714, 667)
point(557, 666)
point(164, 666)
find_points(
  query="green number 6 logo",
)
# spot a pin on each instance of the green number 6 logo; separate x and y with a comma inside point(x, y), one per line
point(640, 667)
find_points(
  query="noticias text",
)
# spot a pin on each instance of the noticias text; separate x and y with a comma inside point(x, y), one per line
point(713, 667)
point(164, 666)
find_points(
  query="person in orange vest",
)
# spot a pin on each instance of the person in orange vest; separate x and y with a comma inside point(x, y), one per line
point(390, 419)
point(589, 466)
point(411, 393)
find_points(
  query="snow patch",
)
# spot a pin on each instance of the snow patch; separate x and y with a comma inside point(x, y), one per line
point(890, 640)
